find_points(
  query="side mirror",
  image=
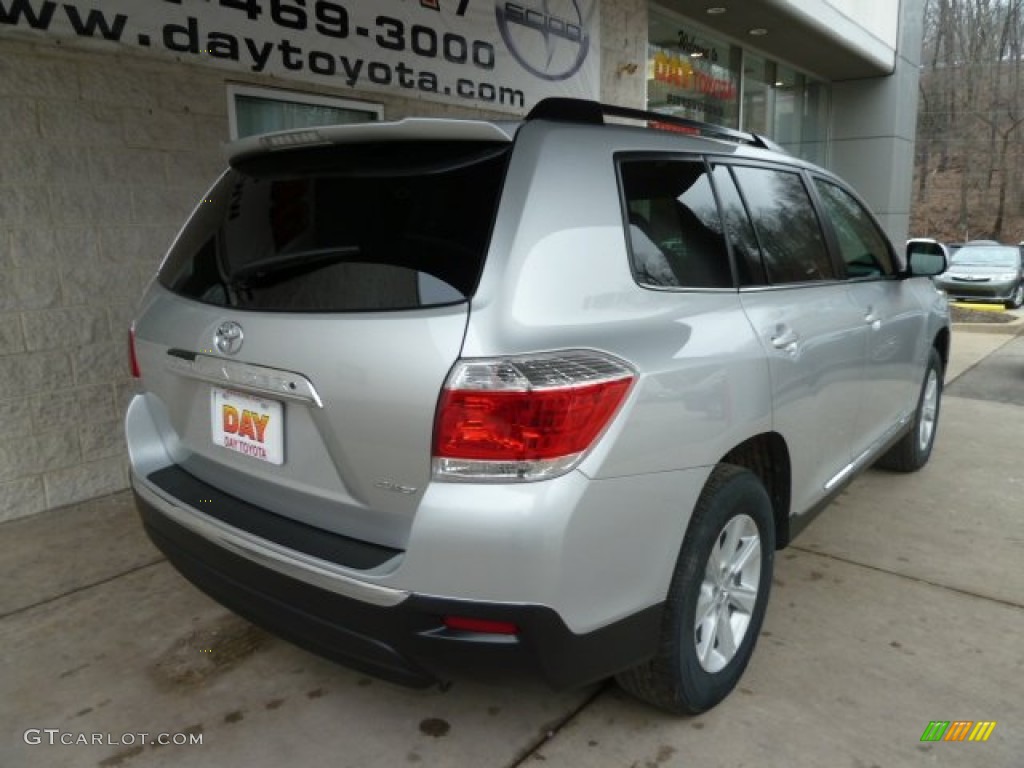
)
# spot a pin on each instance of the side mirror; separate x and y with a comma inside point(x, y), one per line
point(926, 258)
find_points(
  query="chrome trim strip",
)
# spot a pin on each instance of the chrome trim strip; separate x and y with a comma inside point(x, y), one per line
point(867, 455)
point(790, 286)
point(840, 476)
point(311, 570)
point(252, 378)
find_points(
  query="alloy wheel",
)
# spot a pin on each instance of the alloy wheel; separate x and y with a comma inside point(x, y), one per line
point(929, 411)
point(728, 593)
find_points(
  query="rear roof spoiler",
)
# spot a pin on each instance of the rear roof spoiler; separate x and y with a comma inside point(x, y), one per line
point(408, 129)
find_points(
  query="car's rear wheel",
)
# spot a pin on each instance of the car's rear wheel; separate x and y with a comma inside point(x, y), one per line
point(915, 448)
point(716, 600)
point(1017, 299)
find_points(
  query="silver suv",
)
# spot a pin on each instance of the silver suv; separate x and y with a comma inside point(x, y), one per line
point(437, 394)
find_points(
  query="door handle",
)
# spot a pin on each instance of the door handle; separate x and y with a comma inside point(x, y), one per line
point(872, 319)
point(785, 338)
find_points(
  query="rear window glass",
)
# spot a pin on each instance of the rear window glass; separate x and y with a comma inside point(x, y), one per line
point(792, 244)
point(741, 232)
point(676, 236)
point(345, 228)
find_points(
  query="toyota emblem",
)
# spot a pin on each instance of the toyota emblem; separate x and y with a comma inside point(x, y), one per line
point(228, 338)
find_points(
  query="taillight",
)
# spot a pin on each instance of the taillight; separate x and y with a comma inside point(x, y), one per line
point(528, 418)
point(132, 359)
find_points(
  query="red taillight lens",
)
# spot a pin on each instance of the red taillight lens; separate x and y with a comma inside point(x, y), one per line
point(132, 359)
point(525, 419)
point(525, 426)
point(483, 626)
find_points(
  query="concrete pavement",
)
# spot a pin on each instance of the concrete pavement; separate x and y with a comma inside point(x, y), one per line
point(902, 604)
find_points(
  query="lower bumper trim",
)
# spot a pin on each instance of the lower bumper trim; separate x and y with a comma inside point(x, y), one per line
point(272, 554)
point(406, 643)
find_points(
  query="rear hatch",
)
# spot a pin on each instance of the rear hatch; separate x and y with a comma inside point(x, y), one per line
point(301, 328)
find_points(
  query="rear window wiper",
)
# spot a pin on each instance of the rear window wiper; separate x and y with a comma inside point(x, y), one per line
point(286, 262)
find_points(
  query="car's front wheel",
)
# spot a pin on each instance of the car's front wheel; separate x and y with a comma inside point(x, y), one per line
point(915, 448)
point(717, 598)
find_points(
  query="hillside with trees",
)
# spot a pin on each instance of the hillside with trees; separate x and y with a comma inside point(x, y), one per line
point(970, 132)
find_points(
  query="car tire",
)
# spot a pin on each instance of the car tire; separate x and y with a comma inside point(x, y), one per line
point(915, 448)
point(1017, 300)
point(717, 598)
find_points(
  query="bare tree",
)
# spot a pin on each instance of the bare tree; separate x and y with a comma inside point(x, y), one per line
point(970, 118)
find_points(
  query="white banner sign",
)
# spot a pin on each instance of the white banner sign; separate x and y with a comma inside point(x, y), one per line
point(485, 53)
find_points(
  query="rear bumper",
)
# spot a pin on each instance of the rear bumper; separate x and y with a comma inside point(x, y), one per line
point(393, 634)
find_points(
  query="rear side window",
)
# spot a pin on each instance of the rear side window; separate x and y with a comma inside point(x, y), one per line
point(862, 245)
point(792, 245)
point(345, 228)
point(740, 230)
point(675, 231)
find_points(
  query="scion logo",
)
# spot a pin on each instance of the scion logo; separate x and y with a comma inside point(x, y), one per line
point(548, 37)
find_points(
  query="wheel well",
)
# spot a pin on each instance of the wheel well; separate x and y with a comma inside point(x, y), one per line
point(767, 456)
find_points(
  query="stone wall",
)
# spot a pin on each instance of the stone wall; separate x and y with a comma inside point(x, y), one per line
point(623, 45)
point(101, 158)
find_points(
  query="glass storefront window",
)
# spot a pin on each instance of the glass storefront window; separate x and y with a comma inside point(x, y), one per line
point(698, 76)
point(691, 74)
point(789, 89)
point(801, 115)
point(758, 94)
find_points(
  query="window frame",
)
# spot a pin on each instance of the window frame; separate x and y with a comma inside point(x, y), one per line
point(205, 227)
point(293, 97)
point(756, 268)
point(621, 158)
point(803, 173)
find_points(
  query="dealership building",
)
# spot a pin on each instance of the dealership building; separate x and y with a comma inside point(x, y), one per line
point(114, 113)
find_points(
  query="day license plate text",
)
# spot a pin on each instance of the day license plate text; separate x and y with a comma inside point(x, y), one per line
point(252, 426)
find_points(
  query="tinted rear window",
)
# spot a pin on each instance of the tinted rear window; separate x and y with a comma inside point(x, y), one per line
point(792, 244)
point(345, 228)
point(675, 232)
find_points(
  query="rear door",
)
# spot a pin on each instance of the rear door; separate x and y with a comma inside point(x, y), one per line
point(303, 324)
point(812, 333)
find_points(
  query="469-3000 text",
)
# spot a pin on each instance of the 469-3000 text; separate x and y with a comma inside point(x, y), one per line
point(332, 20)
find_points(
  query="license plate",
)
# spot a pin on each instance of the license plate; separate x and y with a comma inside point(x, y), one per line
point(252, 426)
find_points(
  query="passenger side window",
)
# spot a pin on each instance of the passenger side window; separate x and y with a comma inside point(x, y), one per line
point(792, 245)
point(862, 245)
point(675, 232)
point(739, 229)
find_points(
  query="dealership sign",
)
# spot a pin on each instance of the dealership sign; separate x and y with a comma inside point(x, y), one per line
point(495, 54)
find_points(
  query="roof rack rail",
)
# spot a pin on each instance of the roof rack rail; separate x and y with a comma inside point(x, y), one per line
point(591, 112)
